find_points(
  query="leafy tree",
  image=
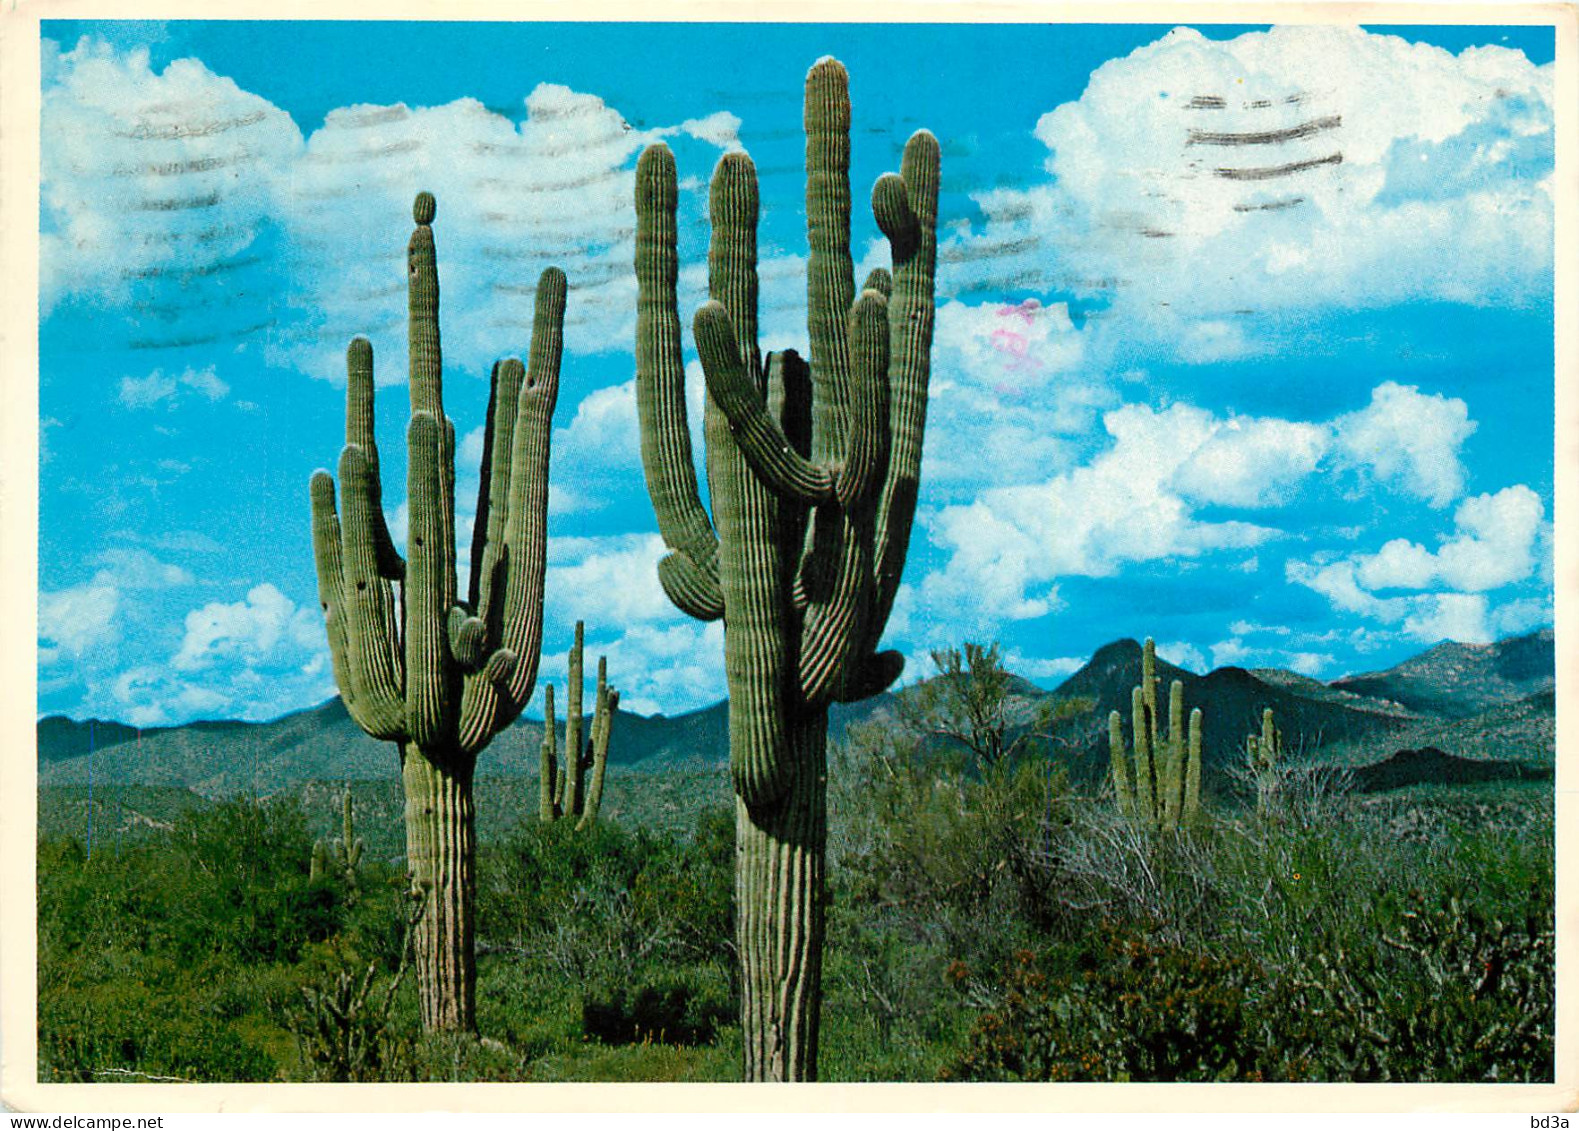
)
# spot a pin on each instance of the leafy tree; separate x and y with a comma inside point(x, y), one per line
point(977, 702)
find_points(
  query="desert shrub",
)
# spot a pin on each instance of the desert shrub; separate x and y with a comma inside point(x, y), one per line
point(1454, 993)
point(1123, 1008)
point(149, 957)
point(615, 917)
point(1280, 950)
point(939, 850)
point(249, 889)
point(145, 1028)
point(344, 1025)
point(672, 1010)
point(689, 884)
point(1107, 866)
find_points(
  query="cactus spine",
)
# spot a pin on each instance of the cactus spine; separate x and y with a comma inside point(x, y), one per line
point(813, 473)
point(564, 791)
point(1162, 788)
point(437, 674)
point(1264, 751)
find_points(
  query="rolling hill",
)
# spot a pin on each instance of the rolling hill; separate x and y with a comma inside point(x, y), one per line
point(1460, 680)
point(1469, 700)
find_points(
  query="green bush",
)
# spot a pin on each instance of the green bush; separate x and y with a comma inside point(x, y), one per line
point(671, 1011)
point(986, 922)
point(1124, 1009)
point(612, 916)
point(1454, 993)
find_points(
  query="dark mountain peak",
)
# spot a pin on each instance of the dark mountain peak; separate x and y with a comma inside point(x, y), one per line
point(331, 710)
point(1525, 659)
point(1118, 652)
point(1235, 677)
point(1114, 670)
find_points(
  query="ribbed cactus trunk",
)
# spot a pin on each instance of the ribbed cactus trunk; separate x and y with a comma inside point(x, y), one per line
point(813, 473)
point(548, 774)
point(571, 772)
point(437, 674)
point(441, 848)
point(604, 706)
point(780, 914)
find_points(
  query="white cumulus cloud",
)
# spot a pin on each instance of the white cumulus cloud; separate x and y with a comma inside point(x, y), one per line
point(607, 580)
point(1439, 594)
point(257, 631)
point(156, 183)
point(74, 621)
point(1124, 506)
point(1409, 439)
point(151, 181)
point(1200, 183)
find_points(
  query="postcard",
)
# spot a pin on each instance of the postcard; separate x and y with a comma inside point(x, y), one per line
point(927, 545)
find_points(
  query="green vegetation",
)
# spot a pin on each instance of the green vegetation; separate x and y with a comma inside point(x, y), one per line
point(988, 920)
point(813, 473)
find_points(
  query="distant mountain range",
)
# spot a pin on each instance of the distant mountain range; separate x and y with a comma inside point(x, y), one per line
point(1469, 700)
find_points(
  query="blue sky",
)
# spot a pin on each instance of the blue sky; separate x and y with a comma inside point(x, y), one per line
point(1276, 404)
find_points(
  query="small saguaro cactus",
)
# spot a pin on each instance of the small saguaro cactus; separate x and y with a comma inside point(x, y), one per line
point(1264, 751)
point(813, 471)
point(348, 848)
point(1161, 787)
point(563, 790)
point(319, 867)
point(433, 671)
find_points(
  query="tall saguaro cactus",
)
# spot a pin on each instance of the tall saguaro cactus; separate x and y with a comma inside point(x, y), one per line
point(435, 673)
point(1162, 786)
point(813, 472)
point(564, 790)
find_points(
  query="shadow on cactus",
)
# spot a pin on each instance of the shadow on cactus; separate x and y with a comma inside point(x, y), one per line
point(563, 790)
point(434, 671)
point(813, 470)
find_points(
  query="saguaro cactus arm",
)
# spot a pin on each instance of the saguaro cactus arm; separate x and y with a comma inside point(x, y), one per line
point(1264, 752)
point(608, 701)
point(350, 845)
point(548, 774)
point(689, 574)
point(574, 768)
point(1123, 787)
